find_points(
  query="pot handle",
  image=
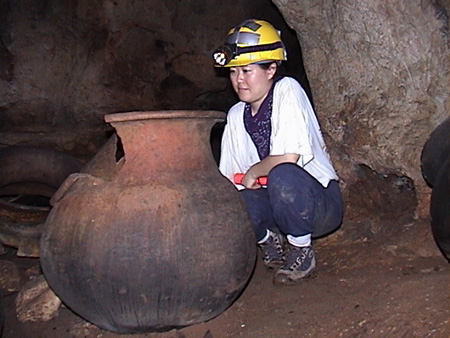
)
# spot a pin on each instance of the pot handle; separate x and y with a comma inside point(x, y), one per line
point(69, 182)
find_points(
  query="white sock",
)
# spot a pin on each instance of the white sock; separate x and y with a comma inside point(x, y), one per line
point(265, 238)
point(300, 241)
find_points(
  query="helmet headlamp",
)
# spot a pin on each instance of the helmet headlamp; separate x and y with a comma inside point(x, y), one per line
point(224, 54)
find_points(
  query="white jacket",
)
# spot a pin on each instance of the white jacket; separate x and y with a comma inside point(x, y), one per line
point(295, 130)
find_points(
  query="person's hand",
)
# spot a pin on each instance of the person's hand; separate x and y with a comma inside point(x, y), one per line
point(250, 181)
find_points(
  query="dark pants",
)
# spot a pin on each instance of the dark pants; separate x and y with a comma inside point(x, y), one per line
point(294, 203)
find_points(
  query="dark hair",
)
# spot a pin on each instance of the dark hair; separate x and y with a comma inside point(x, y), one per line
point(266, 65)
point(281, 70)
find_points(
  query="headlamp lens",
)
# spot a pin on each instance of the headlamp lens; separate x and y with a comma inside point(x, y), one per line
point(224, 54)
point(220, 58)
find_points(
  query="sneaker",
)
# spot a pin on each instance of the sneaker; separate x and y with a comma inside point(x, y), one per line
point(300, 263)
point(273, 250)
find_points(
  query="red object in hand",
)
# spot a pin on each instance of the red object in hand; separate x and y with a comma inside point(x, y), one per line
point(238, 179)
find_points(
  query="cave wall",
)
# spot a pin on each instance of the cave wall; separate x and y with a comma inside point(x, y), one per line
point(378, 72)
point(65, 64)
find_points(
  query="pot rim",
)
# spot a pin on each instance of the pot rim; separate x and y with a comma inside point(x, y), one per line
point(164, 114)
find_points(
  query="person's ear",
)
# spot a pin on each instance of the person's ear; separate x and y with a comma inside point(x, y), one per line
point(272, 70)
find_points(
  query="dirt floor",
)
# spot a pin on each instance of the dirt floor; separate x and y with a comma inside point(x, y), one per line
point(374, 280)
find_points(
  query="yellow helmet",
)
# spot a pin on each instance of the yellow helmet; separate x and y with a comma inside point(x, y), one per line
point(253, 41)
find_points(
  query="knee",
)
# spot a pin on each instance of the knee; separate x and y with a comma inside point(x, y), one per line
point(282, 171)
point(289, 177)
point(283, 178)
point(283, 187)
point(287, 173)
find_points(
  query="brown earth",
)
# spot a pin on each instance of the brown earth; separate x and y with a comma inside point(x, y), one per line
point(374, 280)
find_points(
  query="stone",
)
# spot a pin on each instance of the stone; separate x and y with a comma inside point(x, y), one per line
point(36, 302)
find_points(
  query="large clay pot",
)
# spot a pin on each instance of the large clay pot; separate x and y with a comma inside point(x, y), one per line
point(158, 239)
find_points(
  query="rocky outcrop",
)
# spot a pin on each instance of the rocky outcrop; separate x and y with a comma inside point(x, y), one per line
point(378, 72)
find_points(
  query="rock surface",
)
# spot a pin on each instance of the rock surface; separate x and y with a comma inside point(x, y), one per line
point(63, 65)
point(36, 302)
point(378, 71)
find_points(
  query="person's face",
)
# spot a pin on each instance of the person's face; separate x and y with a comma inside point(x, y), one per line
point(252, 83)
